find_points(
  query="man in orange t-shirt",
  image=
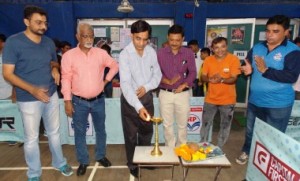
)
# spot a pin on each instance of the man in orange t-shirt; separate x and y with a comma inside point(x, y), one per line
point(220, 71)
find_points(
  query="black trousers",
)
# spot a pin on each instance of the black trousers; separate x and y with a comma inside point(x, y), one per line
point(136, 131)
point(197, 89)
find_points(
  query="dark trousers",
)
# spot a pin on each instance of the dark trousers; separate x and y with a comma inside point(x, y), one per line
point(136, 131)
point(108, 89)
point(197, 90)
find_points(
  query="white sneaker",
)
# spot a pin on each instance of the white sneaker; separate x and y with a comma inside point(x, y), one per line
point(242, 159)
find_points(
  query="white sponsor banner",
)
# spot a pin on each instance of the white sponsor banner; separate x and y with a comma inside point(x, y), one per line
point(11, 126)
point(273, 156)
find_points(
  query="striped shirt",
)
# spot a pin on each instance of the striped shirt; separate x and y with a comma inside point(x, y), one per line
point(183, 64)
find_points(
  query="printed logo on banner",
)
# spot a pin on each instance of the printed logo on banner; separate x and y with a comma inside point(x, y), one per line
point(271, 166)
point(294, 121)
point(293, 128)
point(7, 124)
point(194, 121)
point(261, 158)
point(89, 126)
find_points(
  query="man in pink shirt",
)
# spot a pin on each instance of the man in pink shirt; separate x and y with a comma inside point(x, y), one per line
point(82, 86)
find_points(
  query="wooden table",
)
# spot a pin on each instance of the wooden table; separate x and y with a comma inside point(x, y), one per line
point(143, 158)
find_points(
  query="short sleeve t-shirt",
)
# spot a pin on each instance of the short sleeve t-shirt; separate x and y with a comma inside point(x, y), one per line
point(32, 63)
point(221, 94)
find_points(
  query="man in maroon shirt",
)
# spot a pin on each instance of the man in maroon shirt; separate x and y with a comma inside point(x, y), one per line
point(178, 67)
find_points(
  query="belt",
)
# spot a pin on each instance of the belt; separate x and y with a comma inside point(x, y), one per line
point(173, 90)
point(90, 99)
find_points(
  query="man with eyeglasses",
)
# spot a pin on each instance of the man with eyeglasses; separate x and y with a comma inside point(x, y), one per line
point(139, 75)
point(30, 64)
point(83, 83)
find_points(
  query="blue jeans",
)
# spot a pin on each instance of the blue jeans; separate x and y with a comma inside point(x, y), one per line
point(276, 117)
point(226, 115)
point(82, 109)
point(31, 113)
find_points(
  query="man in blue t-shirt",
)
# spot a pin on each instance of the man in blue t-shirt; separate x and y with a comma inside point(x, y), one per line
point(275, 66)
point(30, 64)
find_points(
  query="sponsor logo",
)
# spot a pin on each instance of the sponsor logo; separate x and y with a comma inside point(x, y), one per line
point(89, 126)
point(262, 158)
point(278, 57)
point(7, 124)
point(194, 120)
point(196, 109)
point(226, 70)
point(294, 121)
point(271, 166)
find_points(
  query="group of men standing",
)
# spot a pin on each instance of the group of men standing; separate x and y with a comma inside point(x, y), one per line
point(33, 69)
point(172, 69)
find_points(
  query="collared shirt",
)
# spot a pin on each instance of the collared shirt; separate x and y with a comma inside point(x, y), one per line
point(137, 71)
point(273, 88)
point(183, 64)
point(291, 66)
point(82, 74)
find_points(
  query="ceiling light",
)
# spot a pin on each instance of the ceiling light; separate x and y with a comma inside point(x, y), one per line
point(125, 7)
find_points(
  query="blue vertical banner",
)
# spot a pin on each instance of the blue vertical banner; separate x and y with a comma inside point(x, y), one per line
point(273, 156)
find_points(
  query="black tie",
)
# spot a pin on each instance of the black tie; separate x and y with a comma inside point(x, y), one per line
point(195, 55)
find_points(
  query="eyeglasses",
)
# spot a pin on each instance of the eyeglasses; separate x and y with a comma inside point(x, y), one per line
point(39, 22)
point(87, 36)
